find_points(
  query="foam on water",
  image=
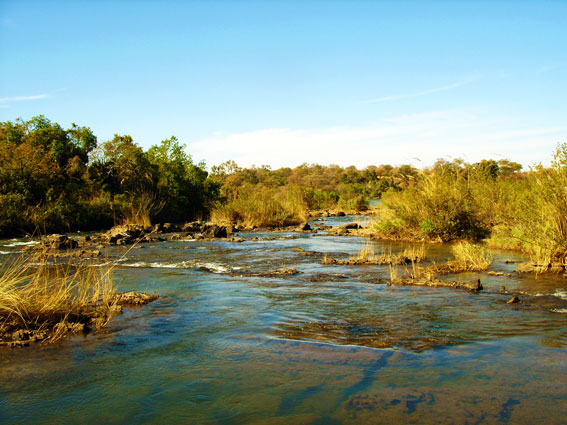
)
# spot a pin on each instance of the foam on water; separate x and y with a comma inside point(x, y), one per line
point(211, 267)
point(18, 243)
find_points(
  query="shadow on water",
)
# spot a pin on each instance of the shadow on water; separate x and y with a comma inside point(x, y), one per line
point(507, 409)
point(368, 375)
point(289, 403)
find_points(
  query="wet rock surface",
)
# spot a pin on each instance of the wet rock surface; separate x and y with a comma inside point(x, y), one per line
point(133, 298)
point(473, 286)
point(533, 267)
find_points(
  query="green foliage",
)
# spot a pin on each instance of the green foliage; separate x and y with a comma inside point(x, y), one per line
point(452, 200)
point(540, 218)
point(323, 187)
point(53, 179)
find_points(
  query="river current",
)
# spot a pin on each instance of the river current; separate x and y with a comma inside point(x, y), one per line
point(227, 342)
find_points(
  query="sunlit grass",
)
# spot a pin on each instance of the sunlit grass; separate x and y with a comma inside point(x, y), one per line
point(51, 298)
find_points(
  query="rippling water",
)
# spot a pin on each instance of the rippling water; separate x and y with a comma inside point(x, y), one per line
point(329, 345)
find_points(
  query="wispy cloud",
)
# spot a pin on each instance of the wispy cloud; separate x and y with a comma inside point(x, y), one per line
point(397, 140)
point(420, 93)
point(5, 100)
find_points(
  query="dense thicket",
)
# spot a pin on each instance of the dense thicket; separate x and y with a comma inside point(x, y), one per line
point(52, 179)
point(489, 199)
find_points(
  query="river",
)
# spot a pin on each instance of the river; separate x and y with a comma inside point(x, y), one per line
point(329, 345)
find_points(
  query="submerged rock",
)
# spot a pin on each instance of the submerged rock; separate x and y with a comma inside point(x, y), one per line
point(133, 298)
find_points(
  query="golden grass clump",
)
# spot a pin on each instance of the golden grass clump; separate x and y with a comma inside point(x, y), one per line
point(413, 254)
point(262, 207)
point(367, 256)
point(45, 302)
point(472, 257)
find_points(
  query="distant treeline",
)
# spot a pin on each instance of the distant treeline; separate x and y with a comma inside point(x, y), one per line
point(54, 179)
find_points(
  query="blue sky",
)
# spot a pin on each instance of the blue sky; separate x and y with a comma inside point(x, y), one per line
point(282, 83)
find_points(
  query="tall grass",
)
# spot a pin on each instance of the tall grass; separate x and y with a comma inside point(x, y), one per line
point(541, 220)
point(471, 257)
point(440, 206)
point(262, 207)
point(139, 207)
point(367, 254)
point(51, 298)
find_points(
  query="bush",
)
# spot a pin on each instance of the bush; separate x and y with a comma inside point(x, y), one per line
point(439, 206)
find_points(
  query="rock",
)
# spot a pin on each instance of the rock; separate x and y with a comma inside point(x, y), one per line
point(340, 214)
point(305, 227)
point(56, 241)
point(475, 285)
point(84, 239)
point(513, 300)
point(89, 253)
point(192, 227)
point(134, 298)
point(215, 231)
point(351, 226)
point(21, 335)
point(125, 234)
point(165, 228)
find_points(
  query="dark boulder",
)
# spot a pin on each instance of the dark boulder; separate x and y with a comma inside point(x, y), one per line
point(61, 242)
point(215, 231)
point(351, 226)
point(474, 286)
point(125, 234)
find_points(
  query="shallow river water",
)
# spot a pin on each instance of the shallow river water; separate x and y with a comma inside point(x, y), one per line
point(330, 345)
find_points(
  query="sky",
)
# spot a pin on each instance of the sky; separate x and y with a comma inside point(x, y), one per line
point(282, 83)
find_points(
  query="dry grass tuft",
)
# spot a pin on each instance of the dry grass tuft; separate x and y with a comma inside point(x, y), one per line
point(47, 301)
point(367, 255)
point(471, 257)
